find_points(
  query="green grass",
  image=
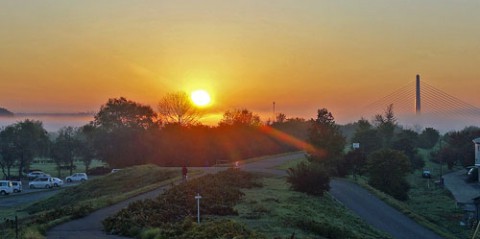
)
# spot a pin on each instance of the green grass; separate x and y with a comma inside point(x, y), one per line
point(251, 160)
point(94, 194)
point(110, 188)
point(291, 163)
point(431, 207)
point(50, 167)
point(278, 212)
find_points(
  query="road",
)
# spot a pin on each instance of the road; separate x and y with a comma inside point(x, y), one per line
point(365, 205)
point(28, 196)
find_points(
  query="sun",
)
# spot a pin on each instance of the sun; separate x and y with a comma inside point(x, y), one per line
point(200, 97)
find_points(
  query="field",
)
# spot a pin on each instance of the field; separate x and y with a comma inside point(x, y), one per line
point(278, 212)
point(49, 167)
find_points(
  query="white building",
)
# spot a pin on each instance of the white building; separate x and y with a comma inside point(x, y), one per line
point(477, 151)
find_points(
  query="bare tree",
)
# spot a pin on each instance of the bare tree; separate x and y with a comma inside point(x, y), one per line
point(177, 108)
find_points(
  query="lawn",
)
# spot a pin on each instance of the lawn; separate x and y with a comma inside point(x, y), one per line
point(49, 167)
point(97, 193)
point(279, 212)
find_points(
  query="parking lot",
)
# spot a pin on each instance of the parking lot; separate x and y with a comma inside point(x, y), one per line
point(30, 195)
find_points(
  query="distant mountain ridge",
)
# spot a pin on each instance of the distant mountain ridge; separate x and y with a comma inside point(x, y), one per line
point(5, 113)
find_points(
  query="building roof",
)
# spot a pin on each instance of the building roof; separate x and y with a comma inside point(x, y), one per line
point(476, 141)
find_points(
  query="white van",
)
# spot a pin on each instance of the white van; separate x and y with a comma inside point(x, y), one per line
point(6, 187)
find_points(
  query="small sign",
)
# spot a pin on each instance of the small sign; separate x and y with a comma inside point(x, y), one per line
point(356, 145)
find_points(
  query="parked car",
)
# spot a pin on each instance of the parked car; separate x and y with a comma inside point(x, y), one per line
point(6, 187)
point(43, 182)
point(115, 170)
point(426, 174)
point(17, 186)
point(34, 174)
point(57, 182)
point(37, 174)
point(77, 177)
point(472, 175)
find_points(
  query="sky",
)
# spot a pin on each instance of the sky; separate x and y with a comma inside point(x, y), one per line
point(71, 56)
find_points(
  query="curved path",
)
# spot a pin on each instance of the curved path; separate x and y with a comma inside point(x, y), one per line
point(360, 201)
point(377, 213)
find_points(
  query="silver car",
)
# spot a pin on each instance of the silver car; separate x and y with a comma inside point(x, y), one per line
point(44, 182)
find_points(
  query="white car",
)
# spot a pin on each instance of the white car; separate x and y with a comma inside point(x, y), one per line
point(57, 182)
point(44, 182)
point(77, 177)
point(6, 187)
point(17, 186)
point(37, 174)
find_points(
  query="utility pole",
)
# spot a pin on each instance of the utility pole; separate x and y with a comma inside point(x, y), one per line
point(274, 116)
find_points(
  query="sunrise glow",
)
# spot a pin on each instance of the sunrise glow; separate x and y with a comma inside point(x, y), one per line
point(200, 97)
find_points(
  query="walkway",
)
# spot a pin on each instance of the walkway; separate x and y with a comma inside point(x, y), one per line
point(462, 192)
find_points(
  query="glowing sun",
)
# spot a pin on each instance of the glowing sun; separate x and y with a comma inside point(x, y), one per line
point(200, 97)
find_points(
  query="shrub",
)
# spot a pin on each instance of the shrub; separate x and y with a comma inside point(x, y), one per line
point(310, 178)
point(220, 193)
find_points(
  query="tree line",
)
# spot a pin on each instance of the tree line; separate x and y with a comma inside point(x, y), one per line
point(125, 133)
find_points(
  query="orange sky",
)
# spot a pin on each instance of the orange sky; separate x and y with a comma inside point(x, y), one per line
point(64, 56)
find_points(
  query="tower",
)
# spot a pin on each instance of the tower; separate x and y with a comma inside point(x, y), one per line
point(417, 96)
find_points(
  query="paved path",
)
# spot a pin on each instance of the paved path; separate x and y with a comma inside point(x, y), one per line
point(462, 192)
point(377, 213)
point(360, 201)
point(91, 226)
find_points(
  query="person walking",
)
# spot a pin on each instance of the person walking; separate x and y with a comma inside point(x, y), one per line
point(184, 173)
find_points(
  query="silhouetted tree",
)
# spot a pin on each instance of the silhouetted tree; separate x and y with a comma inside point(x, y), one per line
point(428, 138)
point(281, 118)
point(329, 142)
point(239, 117)
point(123, 113)
point(24, 141)
point(121, 132)
point(367, 136)
point(85, 149)
point(8, 152)
point(386, 125)
point(407, 141)
point(355, 162)
point(64, 147)
point(459, 147)
point(177, 108)
point(387, 170)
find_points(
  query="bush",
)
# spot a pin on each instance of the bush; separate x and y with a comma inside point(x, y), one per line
point(220, 193)
point(310, 178)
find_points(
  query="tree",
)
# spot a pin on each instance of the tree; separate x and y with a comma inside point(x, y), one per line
point(407, 141)
point(386, 125)
point(239, 117)
point(367, 136)
point(121, 132)
point(428, 138)
point(64, 147)
point(8, 152)
point(355, 162)
point(85, 149)
point(281, 118)
point(329, 142)
point(459, 147)
point(177, 108)
point(23, 141)
point(123, 113)
point(387, 170)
